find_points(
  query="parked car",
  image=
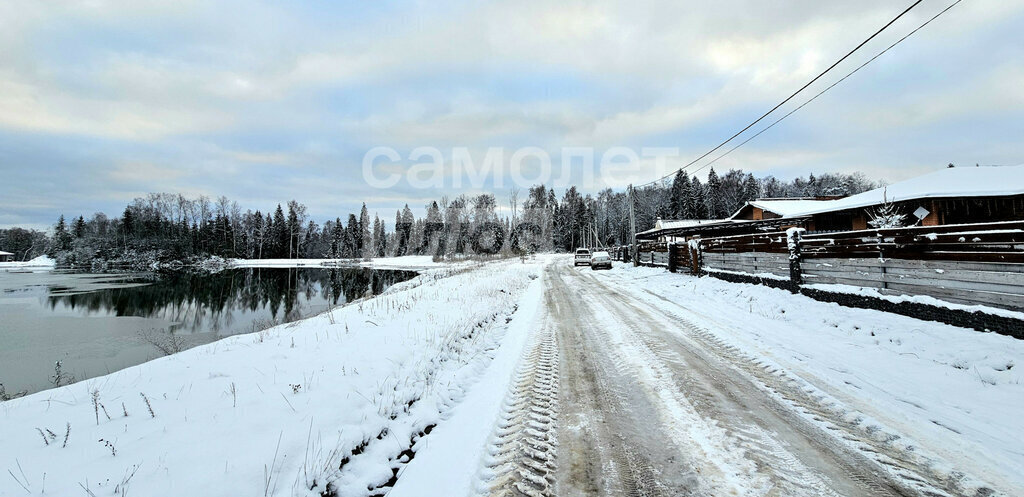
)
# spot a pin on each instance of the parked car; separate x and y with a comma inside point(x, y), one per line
point(600, 260)
point(582, 257)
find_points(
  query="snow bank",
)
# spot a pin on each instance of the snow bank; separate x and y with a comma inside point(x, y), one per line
point(335, 400)
point(446, 461)
point(948, 392)
point(919, 299)
point(767, 276)
point(42, 262)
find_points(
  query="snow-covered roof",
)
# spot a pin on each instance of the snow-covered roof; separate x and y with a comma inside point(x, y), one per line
point(5, 253)
point(981, 181)
point(664, 224)
point(783, 207)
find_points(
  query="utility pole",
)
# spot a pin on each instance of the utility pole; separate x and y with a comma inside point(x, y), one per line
point(632, 227)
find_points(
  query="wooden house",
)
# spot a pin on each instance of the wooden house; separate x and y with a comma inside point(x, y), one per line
point(956, 195)
point(6, 256)
point(774, 208)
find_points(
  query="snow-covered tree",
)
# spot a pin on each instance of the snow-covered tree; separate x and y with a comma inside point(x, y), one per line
point(886, 215)
point(366, 242)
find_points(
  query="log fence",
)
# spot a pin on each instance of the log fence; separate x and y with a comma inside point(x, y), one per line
point(966, 264)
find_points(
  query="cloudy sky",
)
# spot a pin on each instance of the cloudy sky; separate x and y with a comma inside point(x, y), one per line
point(103, 101)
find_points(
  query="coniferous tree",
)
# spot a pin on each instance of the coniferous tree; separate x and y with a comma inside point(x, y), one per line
point(311, 242)
point(751, 188)
point(380, 237)
point(699, 201)
point(400, 239)
point(714, 196)
point(352, 238)
point(61, 236)
point(366, 235)
point(680, 198)
point(403, 229)
point(337, 239)
point(281, 236)
point(433, 231)
point(78, 228)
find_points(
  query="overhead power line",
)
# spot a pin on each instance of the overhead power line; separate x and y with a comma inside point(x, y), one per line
point(802, 88)
point(777, 121)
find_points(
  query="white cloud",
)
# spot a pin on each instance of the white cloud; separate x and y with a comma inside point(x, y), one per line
point(232, 88)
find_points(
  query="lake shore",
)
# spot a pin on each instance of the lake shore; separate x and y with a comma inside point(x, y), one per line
point(333, 400)
point(97, 323)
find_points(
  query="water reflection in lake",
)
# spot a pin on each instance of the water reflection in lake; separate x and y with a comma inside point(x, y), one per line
point(93, 323)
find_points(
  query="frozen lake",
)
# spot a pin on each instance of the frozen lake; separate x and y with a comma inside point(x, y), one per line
point(99, 323)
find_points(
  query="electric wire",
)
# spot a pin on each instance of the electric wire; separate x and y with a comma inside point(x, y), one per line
point(790, 97)
point(943, 11)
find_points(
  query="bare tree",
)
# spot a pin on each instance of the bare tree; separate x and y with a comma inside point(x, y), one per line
point(513, 202)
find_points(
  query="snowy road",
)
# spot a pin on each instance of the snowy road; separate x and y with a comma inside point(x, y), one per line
point(535, 378)
point(620, 394)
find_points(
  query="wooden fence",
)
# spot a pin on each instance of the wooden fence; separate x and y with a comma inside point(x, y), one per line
point(653, 254)
point(675, 257)
point(989, 242)
point(967, 264)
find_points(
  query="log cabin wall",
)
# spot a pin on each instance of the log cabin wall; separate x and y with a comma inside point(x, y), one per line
point(942, 211)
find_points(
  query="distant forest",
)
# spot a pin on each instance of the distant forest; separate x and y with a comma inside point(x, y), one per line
point(164, 227)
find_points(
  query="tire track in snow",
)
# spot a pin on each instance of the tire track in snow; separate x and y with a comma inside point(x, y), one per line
point(774, 469)
point(521, 456)
point(907, 472)
point(616, 436)
point(787, 474)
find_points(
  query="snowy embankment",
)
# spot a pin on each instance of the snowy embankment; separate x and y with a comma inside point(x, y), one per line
point(39, 263)
point(917, 299)
point(331, 402)
point(947, 394)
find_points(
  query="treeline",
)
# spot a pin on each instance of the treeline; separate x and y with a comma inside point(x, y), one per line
point(178, 296)
point(686, 197)
point(24, 243)
point(169, 227)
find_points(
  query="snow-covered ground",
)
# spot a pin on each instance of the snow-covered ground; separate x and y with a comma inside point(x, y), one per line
point(919, 299)
point(39, 263)
point(952, 393)
point(280, 411)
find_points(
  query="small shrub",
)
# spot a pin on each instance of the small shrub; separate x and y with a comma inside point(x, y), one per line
point(96, 405)
point(5, 396)
point(45, 440)
point(109, 445)
point(148, 405)
point(60, 378)
point(166, 342)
